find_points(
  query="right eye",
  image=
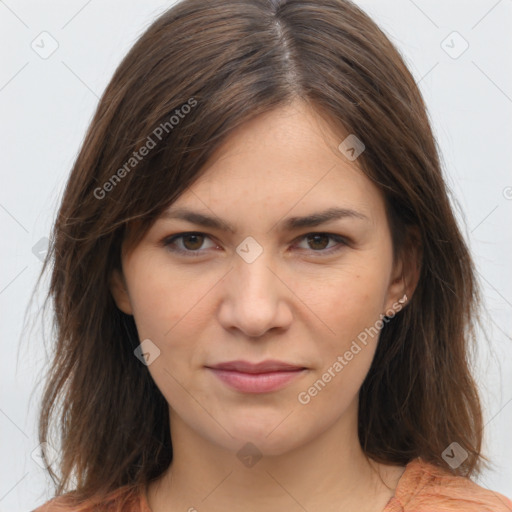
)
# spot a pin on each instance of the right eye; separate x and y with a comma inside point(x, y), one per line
point(189, 243)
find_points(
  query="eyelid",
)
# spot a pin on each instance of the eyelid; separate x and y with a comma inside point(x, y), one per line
point(342, 241)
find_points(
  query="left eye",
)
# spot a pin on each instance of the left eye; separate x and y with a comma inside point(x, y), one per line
point(190, 243)
point(321, 239)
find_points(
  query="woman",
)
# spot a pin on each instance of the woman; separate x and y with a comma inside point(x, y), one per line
point(263, 300)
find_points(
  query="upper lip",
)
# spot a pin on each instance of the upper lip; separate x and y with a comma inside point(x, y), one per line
point(270, 365)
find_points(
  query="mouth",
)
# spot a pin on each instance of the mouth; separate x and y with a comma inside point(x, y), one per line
point(261, 377)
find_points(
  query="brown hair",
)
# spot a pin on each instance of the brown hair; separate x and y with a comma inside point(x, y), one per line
point(195, 75)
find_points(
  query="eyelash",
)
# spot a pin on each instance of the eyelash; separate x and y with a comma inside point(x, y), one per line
point(168, 241)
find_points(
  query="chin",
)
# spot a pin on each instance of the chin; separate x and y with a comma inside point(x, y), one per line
point(269, 437)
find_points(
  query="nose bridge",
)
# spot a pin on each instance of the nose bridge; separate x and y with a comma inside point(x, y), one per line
point(253, 301)
point(254, 279)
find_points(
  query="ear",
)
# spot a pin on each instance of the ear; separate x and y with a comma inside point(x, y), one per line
point(406, 271)
point(119, 291)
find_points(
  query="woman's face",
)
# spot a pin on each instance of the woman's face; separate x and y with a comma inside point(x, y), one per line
point(267, 290)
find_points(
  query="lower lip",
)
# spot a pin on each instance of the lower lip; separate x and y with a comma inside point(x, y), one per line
point(256, 382)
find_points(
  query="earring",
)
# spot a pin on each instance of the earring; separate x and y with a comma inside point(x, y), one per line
point(404, 299)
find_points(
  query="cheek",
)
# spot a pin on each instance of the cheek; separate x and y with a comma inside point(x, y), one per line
point(349, 303)
point(348, 299)
point(351, 309)
point(153, 308)
point(171, 309)
point(161, 295)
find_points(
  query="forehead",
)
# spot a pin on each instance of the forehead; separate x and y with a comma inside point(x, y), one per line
point(282, 160)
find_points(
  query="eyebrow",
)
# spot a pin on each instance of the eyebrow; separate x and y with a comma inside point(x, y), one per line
point(290, 224)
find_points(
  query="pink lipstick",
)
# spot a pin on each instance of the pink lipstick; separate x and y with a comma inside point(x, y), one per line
point(263, 377)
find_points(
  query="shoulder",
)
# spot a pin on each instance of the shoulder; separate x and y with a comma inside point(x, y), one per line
point(123, 499)
point(424, 486)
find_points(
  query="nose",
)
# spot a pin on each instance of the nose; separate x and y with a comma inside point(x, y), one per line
point(255, 298)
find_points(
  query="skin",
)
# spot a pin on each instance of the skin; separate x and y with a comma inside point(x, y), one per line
point(298, 301)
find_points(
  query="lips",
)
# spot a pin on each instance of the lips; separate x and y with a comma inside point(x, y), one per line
point(270, 365)
point(262, 377)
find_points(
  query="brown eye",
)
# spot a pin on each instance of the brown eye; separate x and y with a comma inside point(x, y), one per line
point(319, 242)
point(189, 244)
point(193, 242)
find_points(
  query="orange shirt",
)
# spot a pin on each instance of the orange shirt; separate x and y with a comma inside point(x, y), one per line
point(422, 487)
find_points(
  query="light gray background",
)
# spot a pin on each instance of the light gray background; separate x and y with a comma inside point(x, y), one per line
point(47, 104)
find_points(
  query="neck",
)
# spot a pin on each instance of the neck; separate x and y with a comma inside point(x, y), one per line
point(330, 473)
